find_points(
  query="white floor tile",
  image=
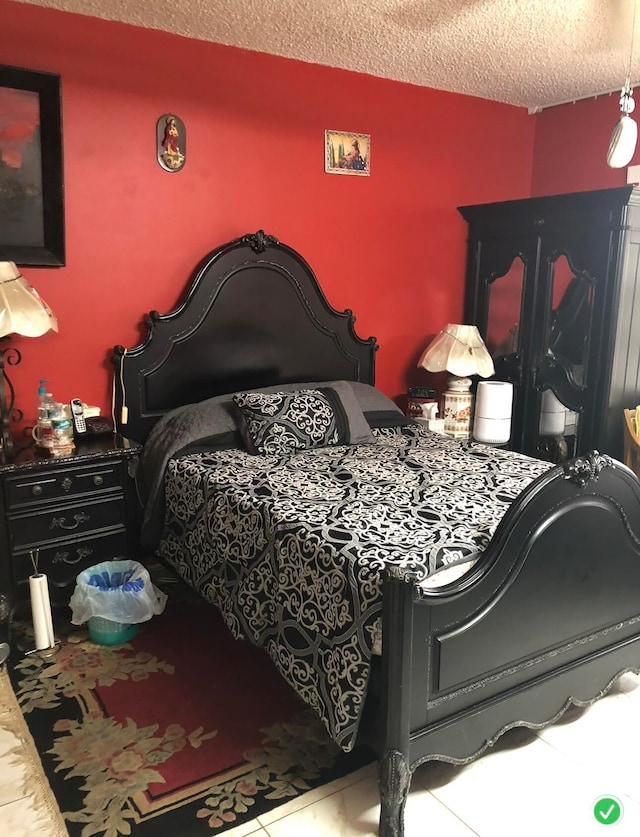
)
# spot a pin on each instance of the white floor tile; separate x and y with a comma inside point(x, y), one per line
point(628, 684)
point(606, 738)
point(532, 790)
point(354, 812)
point(249, 829)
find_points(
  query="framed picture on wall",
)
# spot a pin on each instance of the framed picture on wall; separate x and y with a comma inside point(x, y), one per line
point(347, 153)
point(31, 179)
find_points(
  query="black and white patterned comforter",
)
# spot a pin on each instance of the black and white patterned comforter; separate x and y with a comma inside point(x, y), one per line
point(291, 550)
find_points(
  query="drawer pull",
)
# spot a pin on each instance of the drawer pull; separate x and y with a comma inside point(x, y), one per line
point(66, 483)
point(65, 558)
point(60, 522)
point(98, 480)
point(36, 490)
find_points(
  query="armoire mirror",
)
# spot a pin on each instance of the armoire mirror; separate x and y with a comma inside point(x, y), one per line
point(505, 304)
point(570, 318)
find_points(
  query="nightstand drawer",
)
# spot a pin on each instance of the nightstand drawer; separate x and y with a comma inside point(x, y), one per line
point(65, 521)
point(60, 483)
point(62, 563)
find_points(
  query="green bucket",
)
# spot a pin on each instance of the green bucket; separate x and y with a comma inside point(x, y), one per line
point(105, 632)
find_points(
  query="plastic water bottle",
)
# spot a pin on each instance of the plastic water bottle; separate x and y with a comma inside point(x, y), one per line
point(42, 401)
point(48, 409)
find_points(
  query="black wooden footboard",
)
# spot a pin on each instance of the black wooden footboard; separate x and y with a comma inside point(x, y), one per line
point(548, 617)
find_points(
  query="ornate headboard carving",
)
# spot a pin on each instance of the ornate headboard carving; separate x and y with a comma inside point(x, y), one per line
point(253, 315)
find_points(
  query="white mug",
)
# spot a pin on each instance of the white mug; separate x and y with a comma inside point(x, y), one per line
point(43, 435)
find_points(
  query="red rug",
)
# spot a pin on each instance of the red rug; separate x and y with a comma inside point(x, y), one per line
point(181, 731)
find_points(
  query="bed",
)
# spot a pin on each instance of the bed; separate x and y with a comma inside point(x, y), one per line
point(423, 594)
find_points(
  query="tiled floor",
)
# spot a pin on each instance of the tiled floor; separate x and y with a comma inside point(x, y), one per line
point(541, 784)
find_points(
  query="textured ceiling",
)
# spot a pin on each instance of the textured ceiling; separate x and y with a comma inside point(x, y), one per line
point(532, 53)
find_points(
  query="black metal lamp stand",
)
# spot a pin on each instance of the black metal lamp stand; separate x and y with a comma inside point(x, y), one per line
point(8, 411)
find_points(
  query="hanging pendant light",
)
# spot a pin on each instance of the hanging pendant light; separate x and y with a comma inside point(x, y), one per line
point(622, 144)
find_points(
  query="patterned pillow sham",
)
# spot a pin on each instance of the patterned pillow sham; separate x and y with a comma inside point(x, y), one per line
point(282, 423)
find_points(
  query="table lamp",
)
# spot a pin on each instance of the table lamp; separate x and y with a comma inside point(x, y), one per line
point(22, 311)
point(458, 349)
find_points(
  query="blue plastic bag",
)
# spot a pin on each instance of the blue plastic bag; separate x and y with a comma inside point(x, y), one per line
point(121, 591)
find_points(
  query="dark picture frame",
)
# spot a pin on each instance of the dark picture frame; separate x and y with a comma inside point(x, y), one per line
point(31, 168)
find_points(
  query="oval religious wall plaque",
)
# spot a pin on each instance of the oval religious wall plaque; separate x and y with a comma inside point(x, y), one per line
point(171, 138)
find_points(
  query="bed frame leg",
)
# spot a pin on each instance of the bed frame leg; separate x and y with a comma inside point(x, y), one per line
point(394, 779)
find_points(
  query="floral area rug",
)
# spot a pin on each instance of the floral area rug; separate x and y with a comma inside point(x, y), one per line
point(182, 730)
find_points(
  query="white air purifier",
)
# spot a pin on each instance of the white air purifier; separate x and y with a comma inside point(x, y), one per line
point(553, 415)
point(492, 419)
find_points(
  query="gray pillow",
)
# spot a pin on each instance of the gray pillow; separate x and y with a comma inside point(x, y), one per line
point(281, 423)
point(378, 409)
point(370, 399)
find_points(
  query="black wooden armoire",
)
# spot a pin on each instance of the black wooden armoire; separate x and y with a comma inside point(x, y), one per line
point(553, 285)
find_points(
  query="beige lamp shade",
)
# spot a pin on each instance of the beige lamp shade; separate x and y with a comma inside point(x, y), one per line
point(22, 310)
point(458, 349)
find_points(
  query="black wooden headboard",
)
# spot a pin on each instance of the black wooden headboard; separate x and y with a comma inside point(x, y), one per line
point(253, 315)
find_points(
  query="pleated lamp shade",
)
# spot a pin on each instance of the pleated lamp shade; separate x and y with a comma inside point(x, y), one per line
point(458, 349)
point(22, 310)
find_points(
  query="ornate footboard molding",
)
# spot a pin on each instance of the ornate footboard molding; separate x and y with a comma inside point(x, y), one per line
point(587, 469)
point(394, 779)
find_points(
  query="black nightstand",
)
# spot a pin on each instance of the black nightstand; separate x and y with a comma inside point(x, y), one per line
point(77, 510)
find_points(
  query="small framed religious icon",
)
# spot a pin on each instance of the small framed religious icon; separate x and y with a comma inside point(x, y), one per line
point(171, 142)
point(347, 153)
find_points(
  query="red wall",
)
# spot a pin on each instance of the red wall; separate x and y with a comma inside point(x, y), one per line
point(390, 246)
point(571, 144)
